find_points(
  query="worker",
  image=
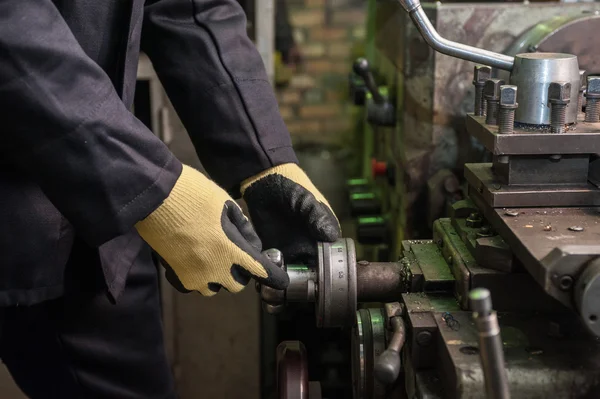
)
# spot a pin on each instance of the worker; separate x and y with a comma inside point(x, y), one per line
point(86, 189)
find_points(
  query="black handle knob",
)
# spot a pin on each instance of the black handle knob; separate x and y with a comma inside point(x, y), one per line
point(361, 68)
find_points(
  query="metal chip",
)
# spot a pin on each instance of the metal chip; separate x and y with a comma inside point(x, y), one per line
point(576, 228)
point(511, 213)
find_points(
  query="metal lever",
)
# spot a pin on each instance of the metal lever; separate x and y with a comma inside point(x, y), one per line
point(361, 68)
point(453, 49)
point(490, 344)
point(387, 367)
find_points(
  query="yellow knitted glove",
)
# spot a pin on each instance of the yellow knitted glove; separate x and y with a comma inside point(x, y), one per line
point(206, 240)
point(289, 213)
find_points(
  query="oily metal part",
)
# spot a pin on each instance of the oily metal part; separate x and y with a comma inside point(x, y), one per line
point(548, 255)
point(538, 364)
point(292, 370)
point(336, 296)
point(585, 139)
point(368, 342)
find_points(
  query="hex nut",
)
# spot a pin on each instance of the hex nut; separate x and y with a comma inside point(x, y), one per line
point(508, 96)
point(481, 74)
point(559, 92)
point(491, 90)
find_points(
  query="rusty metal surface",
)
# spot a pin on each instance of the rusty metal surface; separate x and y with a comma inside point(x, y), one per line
point(571, 34)
point(433, 92)
point(583, 139)
point(551, 243)
point(538, 365)
point(497, 195)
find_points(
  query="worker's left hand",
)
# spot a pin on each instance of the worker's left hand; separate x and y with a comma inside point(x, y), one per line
point(289, 213)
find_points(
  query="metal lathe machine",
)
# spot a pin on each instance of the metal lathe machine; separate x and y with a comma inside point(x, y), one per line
point(488, 117)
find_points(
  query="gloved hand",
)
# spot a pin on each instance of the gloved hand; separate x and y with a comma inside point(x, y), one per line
point(289, 213)
point(206, 240)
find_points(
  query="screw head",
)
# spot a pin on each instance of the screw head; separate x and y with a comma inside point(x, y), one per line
point(508, 95)
point(559, 92)
point(491, 90)
point(481, 74)
point(424, 338)
point(593, 86)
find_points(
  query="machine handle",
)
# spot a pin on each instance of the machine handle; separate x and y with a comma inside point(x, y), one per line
point(361, 68)
point(387, 367)
point(453, 49)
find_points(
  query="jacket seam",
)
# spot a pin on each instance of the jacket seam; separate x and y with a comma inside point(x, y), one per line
point(232, 77)
point(75, 129)
point(142, 193)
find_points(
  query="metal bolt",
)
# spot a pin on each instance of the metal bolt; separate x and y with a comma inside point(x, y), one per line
point(491, 93)
point(582, 84)
point(576, 228)
point(474, 220)
point(565, 282)
point(485, 232)
point(592, 107)
point(480, 75)
point(555, 158)
point(508, 105)
point(424, 338)
point(559, 96)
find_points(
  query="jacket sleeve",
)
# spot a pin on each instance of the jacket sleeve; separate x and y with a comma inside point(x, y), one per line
point(216, 80)
point(66, 129)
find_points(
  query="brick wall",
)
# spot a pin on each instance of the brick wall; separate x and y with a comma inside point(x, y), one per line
point(314, 104)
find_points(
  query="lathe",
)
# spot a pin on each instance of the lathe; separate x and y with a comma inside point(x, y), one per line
point(526, 239)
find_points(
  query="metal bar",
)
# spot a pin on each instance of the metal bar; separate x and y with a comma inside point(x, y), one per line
point(448, 47)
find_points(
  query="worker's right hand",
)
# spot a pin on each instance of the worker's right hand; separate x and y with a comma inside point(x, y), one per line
point(206, 240)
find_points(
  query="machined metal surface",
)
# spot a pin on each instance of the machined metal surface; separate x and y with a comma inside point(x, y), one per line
point(495, 194)
point(550, 254)
point(336, 296)
point(431, 135)
point(533, 74)
point(368, 343)
point(490, 344)
point(381, 281)
point(538, 365)
point(585, 139)
point(292, 371)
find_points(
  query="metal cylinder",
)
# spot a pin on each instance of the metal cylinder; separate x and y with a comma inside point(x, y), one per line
point(379, 281)
point(302, 284)
point(533, 73)
point(592, 110)
point(506, 120)
point(292, 370)
point(491, 115)
point(336, 296)
point(491, 350)
point(479, 101)
point(558, 116)
point(582, 82)
point(592, 93)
